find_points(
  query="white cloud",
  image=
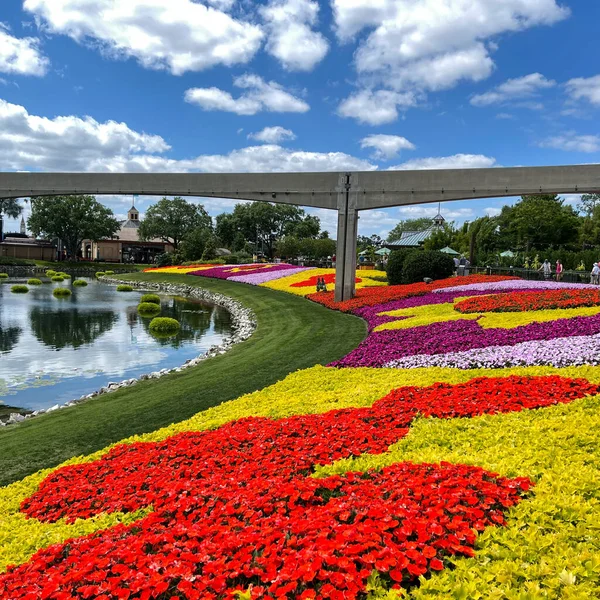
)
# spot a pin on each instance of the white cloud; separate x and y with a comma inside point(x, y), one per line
point(272, 135)
point(505, 116)
point(492, 211)
point(70, 143)
point(456, 161)
point(432, 45)
point(178, 36)
point(260, 96)
point(386, 146)
point(416, 211)
point(572, 142)
point(586, 88)
point(376, 107)
point(527, 86)
point(291, 39)
point(21, 56)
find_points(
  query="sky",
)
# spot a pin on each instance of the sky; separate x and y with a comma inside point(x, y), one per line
point(298, 85)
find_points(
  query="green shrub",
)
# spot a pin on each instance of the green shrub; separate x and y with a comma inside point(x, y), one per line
point(100, 273)
point(16, 262)
point(427, 263)
point(164, 326)
point(153, 298)
point(3, 275)
point(34, 281)
point(58, 278)
point(61, 292)
point(163, 260)
point(124, 288)
point(64, 275)
point(19, 289)
point(51, 273)
point(109, 272)
point(80, 283)
point(149, 309)
point(396, 264)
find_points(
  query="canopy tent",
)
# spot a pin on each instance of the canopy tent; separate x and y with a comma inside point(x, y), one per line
point(383, 251)
point(448, 250)
point(507, 254)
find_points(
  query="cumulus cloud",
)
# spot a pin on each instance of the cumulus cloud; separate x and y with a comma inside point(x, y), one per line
point(528, 86)
point(572, 142)
point(456, 161)
point(386, 146)
point(21, 56)
point(376, 107)
point(585, 88)
point(416, 211)
point(178, 36)
point(291, 39)
point(272, 135)
point(259, 96)
point(70, 143)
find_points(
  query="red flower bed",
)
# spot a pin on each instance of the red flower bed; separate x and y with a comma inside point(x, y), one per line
point(312, 281)
point(380, 295)
point(526, 301)
point(234, 508)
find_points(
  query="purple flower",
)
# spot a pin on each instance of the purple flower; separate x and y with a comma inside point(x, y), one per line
point(514, 285)
point(267, 275)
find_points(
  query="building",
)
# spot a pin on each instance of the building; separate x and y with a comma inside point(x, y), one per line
point(20, 245)
point(416, 239)
point(126, 246)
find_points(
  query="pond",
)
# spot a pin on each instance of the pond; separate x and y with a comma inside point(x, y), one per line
point(55, 350)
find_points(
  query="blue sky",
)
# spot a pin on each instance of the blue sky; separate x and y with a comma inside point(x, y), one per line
point(235, 85)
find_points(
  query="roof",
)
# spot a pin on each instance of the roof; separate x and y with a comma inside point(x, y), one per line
point(448, 250)
point(27, 242)
point(412, 238)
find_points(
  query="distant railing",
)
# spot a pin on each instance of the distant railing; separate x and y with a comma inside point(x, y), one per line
point(533, 274)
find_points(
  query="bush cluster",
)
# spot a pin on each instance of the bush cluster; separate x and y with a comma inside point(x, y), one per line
point(19, 289)
point(109, 272)
point(153, 298)
point(100, 273)
point(64, 275)
point(396, 264)
point(80, 283)
point(164, 326)
point(149, 309)
point(51, 273)
point(34, 281)
point(61, 292)
point(122, 287)
point(426, 263)
point(58, 278)
point(3, 275)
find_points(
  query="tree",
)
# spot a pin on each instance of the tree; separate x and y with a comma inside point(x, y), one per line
point(317, 249)
point(309, 227)
point(11, 208)
point(442, 237)
point(588, 204)
point(172, 219)
point(72, 219)
point(192, 247)
point(210, 249)
point(420, 224)
point(288, 247)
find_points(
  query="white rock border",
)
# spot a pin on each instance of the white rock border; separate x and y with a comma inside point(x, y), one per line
point(243, 324)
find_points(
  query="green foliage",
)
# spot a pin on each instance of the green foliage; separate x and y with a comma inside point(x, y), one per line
point(164, 260)
point(122, 287)
point(34, 281)
point(58, 278)
point(80, 283)
point(314, 249)
point(442, 237)
point(172, 220)
point(19, 289)
point(109, 272)
point(153, 298)
point(426, 263)
point(194, 243)
point(16, 262)
point(61, 292)
point(51, 273)
point(164, 326)
point(72, 219)
point(100, 273)
point(237, 258)
point(3, 275)
point(420, 224)
point(395, 264)
point(148, 309)
point(10, 207)
point(210, 249)
point(63, 275)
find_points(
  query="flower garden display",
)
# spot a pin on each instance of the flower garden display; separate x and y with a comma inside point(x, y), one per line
point(453, 454)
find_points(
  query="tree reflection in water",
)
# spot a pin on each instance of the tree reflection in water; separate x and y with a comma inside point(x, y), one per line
point(9, 336)
point(70, 328)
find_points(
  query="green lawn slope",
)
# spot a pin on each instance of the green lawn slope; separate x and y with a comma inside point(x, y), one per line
point(292, 333)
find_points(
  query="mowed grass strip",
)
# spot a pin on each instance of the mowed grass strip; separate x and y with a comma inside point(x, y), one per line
point(292, 333)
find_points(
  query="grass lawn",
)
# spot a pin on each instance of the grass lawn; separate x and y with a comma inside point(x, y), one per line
point(292, 333)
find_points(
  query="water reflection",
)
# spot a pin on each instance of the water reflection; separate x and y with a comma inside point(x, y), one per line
point(70, 328)
point(56, 350)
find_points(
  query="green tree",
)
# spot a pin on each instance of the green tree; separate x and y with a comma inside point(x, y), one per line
point(72, 219)
point(288, 247)
point(194, 243)
point(11, 208)
point(308, 227)
point(588, 204)
point(171, 220)
point(317, 249)
point(442, 237)
point(210, 249)
point(420, 224)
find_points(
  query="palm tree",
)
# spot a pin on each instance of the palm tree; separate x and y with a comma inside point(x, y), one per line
point(11, 208)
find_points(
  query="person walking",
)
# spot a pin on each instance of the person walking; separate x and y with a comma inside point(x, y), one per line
point(559, 270)
point(461, 265)
point(595, 273)
point(455, 266)
point(547, 269)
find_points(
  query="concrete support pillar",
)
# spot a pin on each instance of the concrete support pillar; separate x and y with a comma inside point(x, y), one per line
point(345, 267)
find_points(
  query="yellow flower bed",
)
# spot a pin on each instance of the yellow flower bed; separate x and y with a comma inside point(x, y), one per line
point(178, 270)
point(436, 313)
point(284, 284)
point(313, 390)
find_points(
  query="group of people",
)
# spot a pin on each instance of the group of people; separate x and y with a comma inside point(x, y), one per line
point(461, 265)
point(546, 268)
